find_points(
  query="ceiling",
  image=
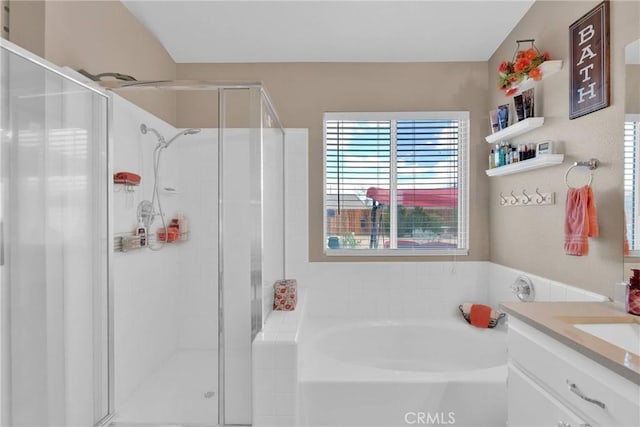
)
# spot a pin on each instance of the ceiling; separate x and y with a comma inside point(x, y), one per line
point(329, 31)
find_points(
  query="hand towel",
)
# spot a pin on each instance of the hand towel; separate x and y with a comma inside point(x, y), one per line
point(592, 214)
point(581, 221)
point(626, 237)
point(480, 315)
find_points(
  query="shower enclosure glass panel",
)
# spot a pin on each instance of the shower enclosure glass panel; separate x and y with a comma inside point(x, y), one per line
point(172, 346)
point(54, 255)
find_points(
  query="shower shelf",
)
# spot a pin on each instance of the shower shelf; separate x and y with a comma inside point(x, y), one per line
point(128, 187)
point(131, 242)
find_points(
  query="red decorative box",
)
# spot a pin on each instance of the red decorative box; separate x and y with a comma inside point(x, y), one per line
point(285, 295)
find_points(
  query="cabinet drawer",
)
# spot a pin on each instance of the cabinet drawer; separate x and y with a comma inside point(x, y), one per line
point(568, 375)
point(531, 406)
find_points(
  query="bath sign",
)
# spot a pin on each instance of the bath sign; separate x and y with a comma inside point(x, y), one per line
point(589, 62)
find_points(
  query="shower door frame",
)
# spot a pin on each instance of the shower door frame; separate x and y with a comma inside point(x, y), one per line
point(257, 96)
point(72, 76)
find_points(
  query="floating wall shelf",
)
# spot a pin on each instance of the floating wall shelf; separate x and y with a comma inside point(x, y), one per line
point(547, 68)
point(515, 130)
point(542, 161)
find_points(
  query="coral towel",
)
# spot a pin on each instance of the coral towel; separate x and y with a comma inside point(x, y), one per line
point(581, 221)
point(480, 315)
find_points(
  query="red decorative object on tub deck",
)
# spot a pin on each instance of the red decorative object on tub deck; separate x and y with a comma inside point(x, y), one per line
point(285, 295)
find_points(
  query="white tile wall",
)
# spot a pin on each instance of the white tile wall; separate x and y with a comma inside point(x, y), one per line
point(164, 300)
point(198, 156)
point(275, 368)
point(146, 284)
point(500, 278)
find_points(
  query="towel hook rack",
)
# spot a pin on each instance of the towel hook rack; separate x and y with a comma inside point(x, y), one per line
point(514, 199)
point(590, 164)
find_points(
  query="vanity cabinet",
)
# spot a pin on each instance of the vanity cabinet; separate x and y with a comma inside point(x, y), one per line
point(531, 405)
point(550, 384)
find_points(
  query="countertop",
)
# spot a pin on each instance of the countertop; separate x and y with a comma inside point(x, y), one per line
point(557, 319)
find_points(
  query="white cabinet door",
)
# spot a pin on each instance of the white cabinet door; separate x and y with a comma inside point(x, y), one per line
point(531, 406)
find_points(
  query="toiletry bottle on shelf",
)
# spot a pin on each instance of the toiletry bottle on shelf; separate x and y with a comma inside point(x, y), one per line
point(497, 158)
point(492, 160)
point(173, 231)
point(141, 232)
point(633, 293)
point(183, 225)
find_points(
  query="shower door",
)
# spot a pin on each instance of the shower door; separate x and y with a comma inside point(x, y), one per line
point(54, 253)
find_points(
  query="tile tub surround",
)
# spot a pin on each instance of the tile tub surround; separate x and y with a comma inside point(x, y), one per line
point(275, 365)
point(344, 292)
point(431, 290)
point(558, 319)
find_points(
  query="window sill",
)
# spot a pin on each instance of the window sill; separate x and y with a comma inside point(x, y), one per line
point(355, 253)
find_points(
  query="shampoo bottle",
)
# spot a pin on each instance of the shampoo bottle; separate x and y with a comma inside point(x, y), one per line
point(141, 231)
point(633, 293)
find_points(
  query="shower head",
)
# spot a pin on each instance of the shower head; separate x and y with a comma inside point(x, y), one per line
point(190, 131)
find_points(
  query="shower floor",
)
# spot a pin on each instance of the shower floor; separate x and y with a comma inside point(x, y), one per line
point(182, 392)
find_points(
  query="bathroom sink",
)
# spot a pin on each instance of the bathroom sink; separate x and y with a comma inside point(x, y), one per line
point(623, 335)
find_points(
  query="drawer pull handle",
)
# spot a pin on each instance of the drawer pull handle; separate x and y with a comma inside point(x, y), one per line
point(574, 389)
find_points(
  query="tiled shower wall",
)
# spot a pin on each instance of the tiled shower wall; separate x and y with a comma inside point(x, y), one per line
point(164, 300)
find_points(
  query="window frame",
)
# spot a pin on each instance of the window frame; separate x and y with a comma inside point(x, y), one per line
point(634, 118)
point(463, 182)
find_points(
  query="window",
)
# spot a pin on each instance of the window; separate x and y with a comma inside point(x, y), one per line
point(632, 181)
point(395, 183)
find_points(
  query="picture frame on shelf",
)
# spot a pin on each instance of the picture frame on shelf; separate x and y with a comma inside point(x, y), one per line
point(503, 116)
point(524, 105)
point(493, 121)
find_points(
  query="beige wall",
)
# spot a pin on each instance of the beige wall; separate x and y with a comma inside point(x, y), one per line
point(302, 92)
point(27, 24)
point(98, 36)
point(531, 238)
point(632, 103)
point(104, 36)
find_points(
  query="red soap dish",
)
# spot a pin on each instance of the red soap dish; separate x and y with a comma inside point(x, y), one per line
point(126, 178)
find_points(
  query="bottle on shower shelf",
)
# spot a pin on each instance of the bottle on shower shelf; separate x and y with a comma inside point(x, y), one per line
point(183, 225)
point(141, 232)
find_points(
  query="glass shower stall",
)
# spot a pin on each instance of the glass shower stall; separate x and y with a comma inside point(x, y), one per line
point(99, 327)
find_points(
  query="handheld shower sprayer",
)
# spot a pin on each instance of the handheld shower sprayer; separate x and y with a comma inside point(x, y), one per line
point(147, 213)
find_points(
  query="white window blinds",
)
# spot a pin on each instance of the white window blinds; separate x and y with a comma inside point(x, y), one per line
point(632, 182)
point(395, 182)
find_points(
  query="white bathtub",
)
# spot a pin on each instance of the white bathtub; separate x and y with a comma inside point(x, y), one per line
point(402, 373)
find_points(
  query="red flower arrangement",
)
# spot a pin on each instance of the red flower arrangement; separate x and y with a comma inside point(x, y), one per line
point(524, 65)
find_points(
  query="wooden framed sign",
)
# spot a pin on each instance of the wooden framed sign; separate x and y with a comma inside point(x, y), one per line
point(589, 62)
